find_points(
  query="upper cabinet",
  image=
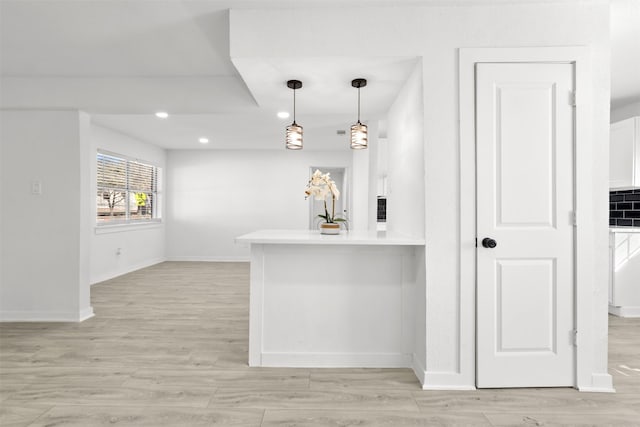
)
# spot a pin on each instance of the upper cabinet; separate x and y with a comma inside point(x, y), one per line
point(624, 154)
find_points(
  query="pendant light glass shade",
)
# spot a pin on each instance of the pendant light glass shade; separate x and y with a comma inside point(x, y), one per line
point(294, 130)
point(294, 136)
point(359, 138)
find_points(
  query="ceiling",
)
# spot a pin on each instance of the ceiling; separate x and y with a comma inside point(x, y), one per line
point(121, 64)
point(325, 104)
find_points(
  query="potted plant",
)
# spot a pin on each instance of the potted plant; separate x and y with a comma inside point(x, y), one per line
point(321, 186)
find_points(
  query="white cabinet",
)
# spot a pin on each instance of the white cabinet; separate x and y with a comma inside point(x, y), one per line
point(624, 281)
point(360, 312)
point(624, 154)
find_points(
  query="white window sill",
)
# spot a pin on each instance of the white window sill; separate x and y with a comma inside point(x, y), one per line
point(120, 228)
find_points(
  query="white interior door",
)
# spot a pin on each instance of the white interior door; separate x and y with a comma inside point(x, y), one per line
point(525, 203)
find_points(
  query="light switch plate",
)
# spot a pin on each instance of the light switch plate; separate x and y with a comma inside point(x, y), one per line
point(36, 188)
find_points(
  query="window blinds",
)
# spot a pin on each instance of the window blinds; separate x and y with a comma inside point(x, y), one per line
point(127, 189)
point(142, 177)
point(118, 173)
point(112, 172)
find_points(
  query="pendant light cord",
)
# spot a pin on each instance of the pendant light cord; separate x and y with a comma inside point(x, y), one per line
point(358, 103)
point(294, 105)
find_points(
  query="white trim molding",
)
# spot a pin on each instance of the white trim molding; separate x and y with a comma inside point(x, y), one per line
point(600, 383)
point(46, 316)
point(587, 293)
point(130, 226)
point(624, 311)
point(333, 360)
point(418, 369)
point(128, 269)
point(209, 258)
point(446, 381)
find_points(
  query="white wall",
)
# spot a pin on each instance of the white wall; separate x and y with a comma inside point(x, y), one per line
point(625, 112)
point(140, 245)
point(44, 274)
point(405, 191)
point(216, 196)
point(359, 215)
point(374, 164)
point(436, 33)
point(405, 150)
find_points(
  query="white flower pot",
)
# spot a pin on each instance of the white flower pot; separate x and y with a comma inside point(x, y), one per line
point(329, 228)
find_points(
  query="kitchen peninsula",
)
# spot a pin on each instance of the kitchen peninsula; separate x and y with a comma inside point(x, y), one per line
point(332, 301)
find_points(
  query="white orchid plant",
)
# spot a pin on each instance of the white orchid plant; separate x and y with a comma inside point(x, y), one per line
point(320, 186)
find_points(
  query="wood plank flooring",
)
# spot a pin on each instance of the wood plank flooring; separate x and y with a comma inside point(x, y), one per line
point(168, 347)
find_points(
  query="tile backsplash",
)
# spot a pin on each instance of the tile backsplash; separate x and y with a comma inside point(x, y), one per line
point(624, 208)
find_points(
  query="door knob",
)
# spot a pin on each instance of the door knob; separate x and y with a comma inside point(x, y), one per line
point(489, 243)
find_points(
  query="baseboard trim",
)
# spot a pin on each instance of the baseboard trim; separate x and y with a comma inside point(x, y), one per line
point(208, 259)
point(600, 383)
point(336, 360)
point(446, 381)
point(596, 390)
point(46, 316)
point(418, 369)
point(128, 269)
point(85, 314)
point(624, 311)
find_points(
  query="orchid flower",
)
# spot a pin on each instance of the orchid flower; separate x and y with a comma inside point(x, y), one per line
point(319, 187)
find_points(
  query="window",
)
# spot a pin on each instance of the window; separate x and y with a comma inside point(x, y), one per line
point(127, 190)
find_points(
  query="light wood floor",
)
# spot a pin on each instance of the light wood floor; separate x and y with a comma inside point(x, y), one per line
point(168, 347)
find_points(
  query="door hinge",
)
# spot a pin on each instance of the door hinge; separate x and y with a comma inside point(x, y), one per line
point(575, 337)
point(572, 99)
point(574, 218)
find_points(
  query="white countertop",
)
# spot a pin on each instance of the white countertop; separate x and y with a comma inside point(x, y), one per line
point(624, 229)
point(312, 237)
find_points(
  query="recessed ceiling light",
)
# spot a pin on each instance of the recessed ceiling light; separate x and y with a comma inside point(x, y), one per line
point(203, 140)
point(283, 115)
point(162, 114)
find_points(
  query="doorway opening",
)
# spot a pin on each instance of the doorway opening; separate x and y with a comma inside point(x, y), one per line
point(316, 207)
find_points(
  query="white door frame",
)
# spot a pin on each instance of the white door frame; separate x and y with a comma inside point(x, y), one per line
point(586, 380)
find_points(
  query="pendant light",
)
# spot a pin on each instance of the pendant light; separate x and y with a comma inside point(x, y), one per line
point(294, 130)
point(358, 130)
